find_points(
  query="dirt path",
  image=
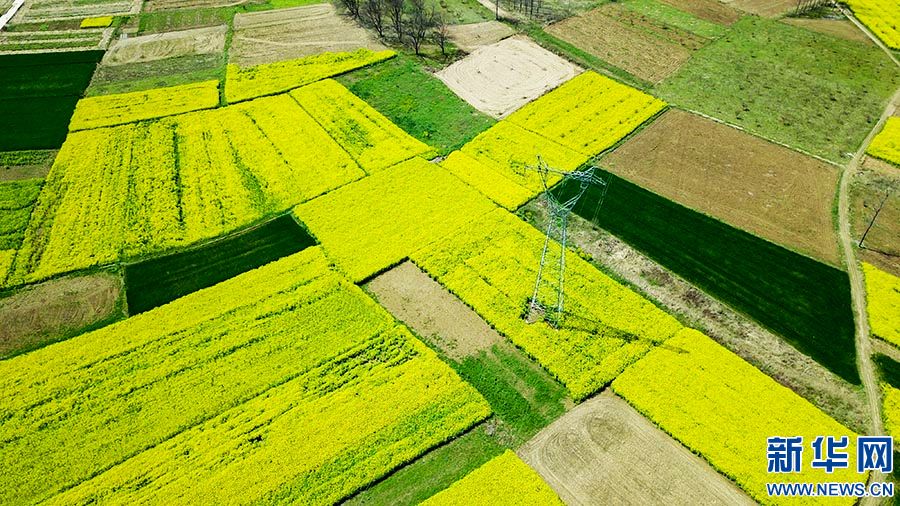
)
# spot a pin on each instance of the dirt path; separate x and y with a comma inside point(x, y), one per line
point(605, 452)
point(886, 349)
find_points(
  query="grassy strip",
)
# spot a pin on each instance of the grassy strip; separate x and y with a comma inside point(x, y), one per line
point(399, 87)
point(156, 74)
point(674, 17)
point(583, 58)
point(157, 281)
point(805, 301)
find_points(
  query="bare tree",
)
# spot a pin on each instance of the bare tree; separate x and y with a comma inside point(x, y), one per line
point(419, 24)
point(352, 7)
point(395, 12)
point(372, 12)
point(441, 33)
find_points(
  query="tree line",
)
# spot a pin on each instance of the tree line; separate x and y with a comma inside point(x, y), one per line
point(410, 22)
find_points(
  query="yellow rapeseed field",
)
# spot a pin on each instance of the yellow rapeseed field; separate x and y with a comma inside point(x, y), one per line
point(886, 145)
point(882, 17)
point(378, 221)
point(271, 78)
point(588, 114)
point(883, 303)
point(724, 409)
point(253, 389)
point(491, 264)
point(98, 22)
point(110, 110)
point(502, 480)
point(891, 410)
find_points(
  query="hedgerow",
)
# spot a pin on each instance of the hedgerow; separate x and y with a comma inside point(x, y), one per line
point(502, 480)
point(491, 264)
point(724, 409)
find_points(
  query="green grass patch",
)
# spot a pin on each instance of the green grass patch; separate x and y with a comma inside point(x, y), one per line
point(182, 19)
point(38, 93)
point(157, 74)
point(804, 301)
point(888, 368)
point(17, 198)
point(157, 281)
point(462, 12)
point(418, 102)
point(671, 16)
point(807, 90)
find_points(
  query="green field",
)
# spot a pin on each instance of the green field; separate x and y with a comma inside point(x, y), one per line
point(399, 87)
point(804, 301)
point(804, 89)
point(156, 74)
point(16, 200)
point(671, 16)
point(889, 369)
point(38, 93)
point(157, 281)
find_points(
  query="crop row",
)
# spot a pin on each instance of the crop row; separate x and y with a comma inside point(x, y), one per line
point(881, 16)
point(374, 223)
point(724, 409)
point(505, 479)
point(137, 189)
point(883, 303)
point(491, 264)
point(109, 110)
point(886, 145)
point(252, 388)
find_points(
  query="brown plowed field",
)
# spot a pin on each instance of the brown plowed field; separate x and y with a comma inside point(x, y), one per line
point(605, 452)
point(475, 35)
point(710, 10)
point(634, 43)
point(283, 34)
point(766, 189)
point(867, 190)
point(840, 28)
point(764, 8)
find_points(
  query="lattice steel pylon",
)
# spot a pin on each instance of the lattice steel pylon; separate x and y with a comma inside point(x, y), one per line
point(557, 225)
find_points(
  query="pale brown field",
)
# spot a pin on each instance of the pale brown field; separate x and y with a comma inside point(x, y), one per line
point(161, 46)
point(766, 189)
point(840, 28)
point(764, 8)
point(710, 10)
point(868, 188)
point(475, 35)
point(605, 452)
point(499, 78)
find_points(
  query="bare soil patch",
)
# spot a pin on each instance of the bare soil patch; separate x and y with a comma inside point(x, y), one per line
point(870, 184)
point(605, 452)
point(710, 10)
point(476, 35)
point(766, 189)
point(499, 78)
point(56, 309)
point(283, 34)
point(755, 344)
point(628, 40)
point(37, 166)
point(433, 312)
point(167, 45)
point(162, 5)
point(840, 28)
point(764, 8)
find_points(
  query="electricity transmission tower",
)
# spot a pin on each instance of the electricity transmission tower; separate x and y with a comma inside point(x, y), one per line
point(557, 224)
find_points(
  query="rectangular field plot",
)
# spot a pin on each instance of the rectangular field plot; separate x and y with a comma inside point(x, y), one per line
point(417, 102)
point(162, 46)
point(769, 190)
point(708, 10)
point(47, 40)
point(38, 94)
point(723, 409)
point(647, 48)
point(271, 78)
point(875, 212)
point(491, 265)
point(254, 388)
point(886, 145)
point(378, 221)
point(504, 479)
point(804, 301)
point(40, 11)
point(271, 36)
point(883, 303)
point(158, 281)
point(605, 452)
point(197, 176)
point(834, 87)
point(588, 114)
point(369, 137)
point(111, 110)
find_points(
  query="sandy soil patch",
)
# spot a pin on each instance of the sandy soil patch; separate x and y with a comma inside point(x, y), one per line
point(626, 39)
point(755, 344)
point(868, 188)
point(432, 312)
point(161, 46)
point(766, 189)
point(475, 35)
point(764, 8)
point(605, 452)
point(162, 5)
point(840, 28)
point(48, 311)
point(710, 10)
point(269, 36)
point(502, 77)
